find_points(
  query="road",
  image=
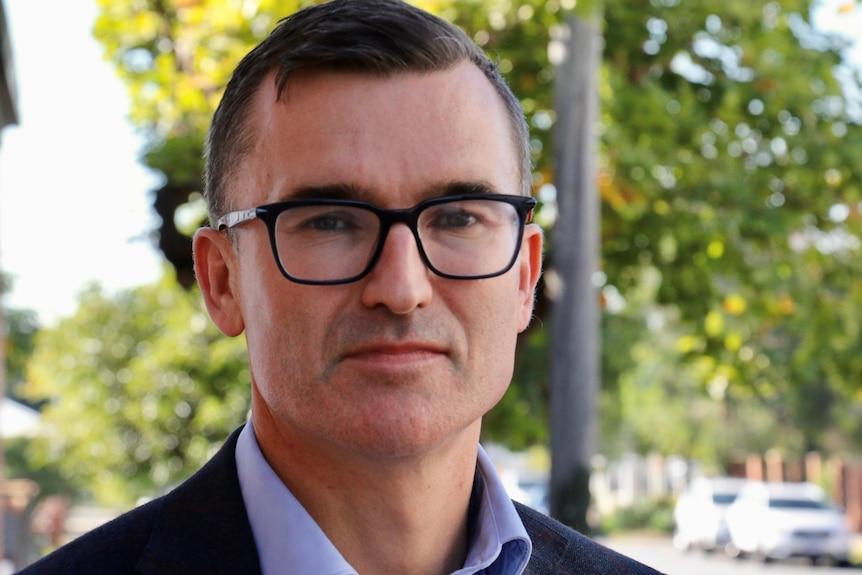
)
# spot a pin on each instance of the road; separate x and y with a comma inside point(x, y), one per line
point(658, 552)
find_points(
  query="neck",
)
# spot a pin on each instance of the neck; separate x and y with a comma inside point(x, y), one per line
point(404, 514)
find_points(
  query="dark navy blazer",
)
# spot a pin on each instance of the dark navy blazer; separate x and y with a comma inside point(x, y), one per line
point(201, 527)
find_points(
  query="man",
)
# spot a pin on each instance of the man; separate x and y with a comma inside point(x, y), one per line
point(368, 181)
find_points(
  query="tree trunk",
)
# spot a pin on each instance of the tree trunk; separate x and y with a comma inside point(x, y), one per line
point(575, 337)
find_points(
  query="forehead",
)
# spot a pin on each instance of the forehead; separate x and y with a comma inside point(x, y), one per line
point(397, 138)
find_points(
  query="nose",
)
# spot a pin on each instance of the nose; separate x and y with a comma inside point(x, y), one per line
point(400, 281)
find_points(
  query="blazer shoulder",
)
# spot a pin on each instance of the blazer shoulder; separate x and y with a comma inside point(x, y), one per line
point(201, 526)
point(560, 550)
point(111, 549)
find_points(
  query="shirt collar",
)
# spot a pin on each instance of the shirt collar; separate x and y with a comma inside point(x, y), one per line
point(290, 537)
point(284, 532)
point(500, 544)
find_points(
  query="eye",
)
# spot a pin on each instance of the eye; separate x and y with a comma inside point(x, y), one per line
point(477, 216)
point(317, 219)
point(454, 218)
point(330, 222)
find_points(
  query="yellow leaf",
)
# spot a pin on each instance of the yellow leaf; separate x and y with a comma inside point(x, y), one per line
point(733, 342)
point(734, 304)
point(787, 305)
point(715, 249)
point(713, 324)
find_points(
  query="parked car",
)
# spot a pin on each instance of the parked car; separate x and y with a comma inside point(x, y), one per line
point(781, 520)
point(700, 510)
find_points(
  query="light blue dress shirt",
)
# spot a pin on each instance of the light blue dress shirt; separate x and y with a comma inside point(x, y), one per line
point(289, 541)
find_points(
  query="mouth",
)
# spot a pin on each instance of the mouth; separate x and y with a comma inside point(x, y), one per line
point(393, 354)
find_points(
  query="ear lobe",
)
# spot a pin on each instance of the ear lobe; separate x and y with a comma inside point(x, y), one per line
point(215, 266)
point(530, 264)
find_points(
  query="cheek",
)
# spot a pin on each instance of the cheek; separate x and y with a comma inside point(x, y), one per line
point(271, 345)
point(495, 334)
point(278, 324)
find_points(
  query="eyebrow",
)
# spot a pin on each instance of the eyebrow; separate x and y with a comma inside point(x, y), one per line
point(464, 187)
point(346, 191)
point(330, 191)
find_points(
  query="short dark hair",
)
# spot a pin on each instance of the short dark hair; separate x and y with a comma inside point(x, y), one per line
point(376, 37)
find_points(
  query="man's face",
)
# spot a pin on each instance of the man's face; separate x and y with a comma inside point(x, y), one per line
point(402, 360)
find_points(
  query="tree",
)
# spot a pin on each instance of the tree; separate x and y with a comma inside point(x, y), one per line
point(21, 327)
point(141, 389)
point(727, 144)
point(175, 56)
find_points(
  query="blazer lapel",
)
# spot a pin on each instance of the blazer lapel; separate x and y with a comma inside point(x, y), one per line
point(202, 526)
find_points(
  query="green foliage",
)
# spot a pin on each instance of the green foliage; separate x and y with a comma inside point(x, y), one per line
point(519, 420)
point(652, 515)
point(181, 159)
point(142, 389)
point(175, 56)
point(727, 153)
point(21, 327)
point(19, 464)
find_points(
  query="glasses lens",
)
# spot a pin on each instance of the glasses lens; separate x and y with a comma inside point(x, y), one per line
point(460, 238)
point(324, 243)
point(470, 238)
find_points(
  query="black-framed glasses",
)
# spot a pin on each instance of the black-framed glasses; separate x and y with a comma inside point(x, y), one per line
point(332, 241)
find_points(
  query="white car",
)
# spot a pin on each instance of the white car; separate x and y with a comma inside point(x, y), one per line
point(700, 510)
point(782, 520)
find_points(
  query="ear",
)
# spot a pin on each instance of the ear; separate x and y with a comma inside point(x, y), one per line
point(216, 271)
point(530, 265)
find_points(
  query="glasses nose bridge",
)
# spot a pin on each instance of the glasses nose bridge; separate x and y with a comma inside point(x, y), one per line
point(408, 216)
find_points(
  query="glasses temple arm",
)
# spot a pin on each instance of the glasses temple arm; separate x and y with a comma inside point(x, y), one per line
point(232, 219)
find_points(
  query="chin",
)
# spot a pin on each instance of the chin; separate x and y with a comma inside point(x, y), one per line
point(405, 437)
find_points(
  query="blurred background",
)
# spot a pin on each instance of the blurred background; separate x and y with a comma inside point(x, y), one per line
point(720, 331)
